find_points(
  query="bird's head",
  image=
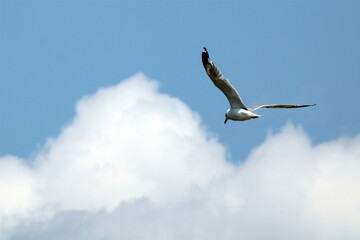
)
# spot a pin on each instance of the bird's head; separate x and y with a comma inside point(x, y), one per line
point(226, 117)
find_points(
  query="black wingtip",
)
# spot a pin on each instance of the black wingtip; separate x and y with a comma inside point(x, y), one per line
point(205, 57)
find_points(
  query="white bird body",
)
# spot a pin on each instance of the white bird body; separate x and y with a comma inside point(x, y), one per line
point(238, 111)
point(239, 114)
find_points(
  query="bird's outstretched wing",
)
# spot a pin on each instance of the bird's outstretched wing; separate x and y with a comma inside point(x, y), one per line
point(253, 108)
point(222, 83)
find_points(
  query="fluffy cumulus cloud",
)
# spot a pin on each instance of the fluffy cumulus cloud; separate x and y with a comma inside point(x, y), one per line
point(135, 163)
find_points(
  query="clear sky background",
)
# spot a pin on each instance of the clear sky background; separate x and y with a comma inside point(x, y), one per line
point(53, 53)
point(302, 52)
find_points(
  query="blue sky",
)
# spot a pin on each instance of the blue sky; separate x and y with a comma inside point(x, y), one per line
point(302, 52)
point(110, 127)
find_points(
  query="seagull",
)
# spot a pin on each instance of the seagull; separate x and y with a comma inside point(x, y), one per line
point(238, 111)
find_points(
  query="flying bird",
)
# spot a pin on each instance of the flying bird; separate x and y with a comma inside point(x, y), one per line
point(238, 111)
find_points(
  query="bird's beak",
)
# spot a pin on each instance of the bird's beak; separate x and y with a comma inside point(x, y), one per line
point(225, 120)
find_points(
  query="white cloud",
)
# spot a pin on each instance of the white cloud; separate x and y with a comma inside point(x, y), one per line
point(138, 164)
